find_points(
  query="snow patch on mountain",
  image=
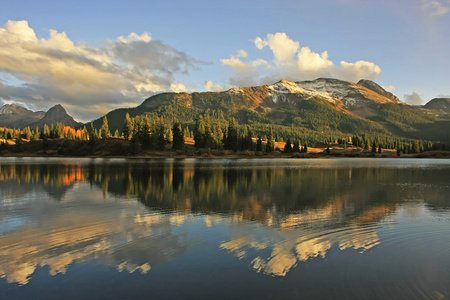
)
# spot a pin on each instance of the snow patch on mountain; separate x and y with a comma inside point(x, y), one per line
point(290, 87)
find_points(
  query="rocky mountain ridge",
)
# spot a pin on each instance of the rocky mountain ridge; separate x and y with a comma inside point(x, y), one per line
point(15, 116)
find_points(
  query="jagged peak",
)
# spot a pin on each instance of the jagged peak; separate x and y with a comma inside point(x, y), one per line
point(57, 109)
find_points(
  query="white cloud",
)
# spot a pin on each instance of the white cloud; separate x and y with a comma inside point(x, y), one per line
point(293, 62)
point(246, 72)
point(436, 8)
point(389, 88)
point(178, 87)
point(281, 45)
point(413, 99)
point(55, 70)
point(358, 70)
point(212, 87)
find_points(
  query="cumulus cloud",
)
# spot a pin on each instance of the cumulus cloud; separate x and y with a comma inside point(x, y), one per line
point(245, 72)
point(293, 62)
point(53, 70)
point(436, 8)
point(413, 99)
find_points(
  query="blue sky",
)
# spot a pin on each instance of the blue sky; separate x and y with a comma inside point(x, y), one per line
point(95, 56)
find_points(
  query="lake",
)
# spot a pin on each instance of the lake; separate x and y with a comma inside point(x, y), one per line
point(224, 228)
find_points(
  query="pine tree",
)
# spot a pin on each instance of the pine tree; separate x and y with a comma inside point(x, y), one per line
point(225, 139)
point(85, 134)
point(59, 130)
point(52, 134)
point(415, 147)
point(232, 136)
point(92, 134)
point(136, 127)
point(160, 139)
point(199, 133)
point(127, 128)
point(218, 137)
point(178, 138)
point(104, 130)
point(288, 146)
point(259, 144)
point(270, 146)
point(207, 138)
point(248, 141)
point(144, 133)
point(169, 135)
point(296, 147)
point(374, 147)
point(45, 131)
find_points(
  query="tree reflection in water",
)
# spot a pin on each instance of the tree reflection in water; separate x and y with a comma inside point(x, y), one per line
point(278, 212)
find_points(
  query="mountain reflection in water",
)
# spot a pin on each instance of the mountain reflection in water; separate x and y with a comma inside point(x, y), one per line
point(134, 215)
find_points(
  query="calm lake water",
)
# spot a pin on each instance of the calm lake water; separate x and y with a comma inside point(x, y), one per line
point(224, 229)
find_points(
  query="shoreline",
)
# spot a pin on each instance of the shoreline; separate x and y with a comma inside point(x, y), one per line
point(119, 148)
point(425, 155)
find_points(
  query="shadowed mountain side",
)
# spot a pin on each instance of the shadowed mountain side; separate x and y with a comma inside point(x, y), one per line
point(439, 105)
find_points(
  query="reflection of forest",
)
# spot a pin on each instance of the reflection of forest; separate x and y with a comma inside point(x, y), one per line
point(226, 186)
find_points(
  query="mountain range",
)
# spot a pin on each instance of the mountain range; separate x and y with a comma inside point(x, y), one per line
point(15, 116)
point(316, 108)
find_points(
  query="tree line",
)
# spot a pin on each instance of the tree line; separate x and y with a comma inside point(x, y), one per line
point(144, 132)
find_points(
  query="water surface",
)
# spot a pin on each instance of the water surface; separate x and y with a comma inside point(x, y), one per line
point(226, 228)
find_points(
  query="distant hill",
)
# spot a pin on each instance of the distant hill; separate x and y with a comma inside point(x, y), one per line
point(439, 105)
point(315, 109)
point(15, 116)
